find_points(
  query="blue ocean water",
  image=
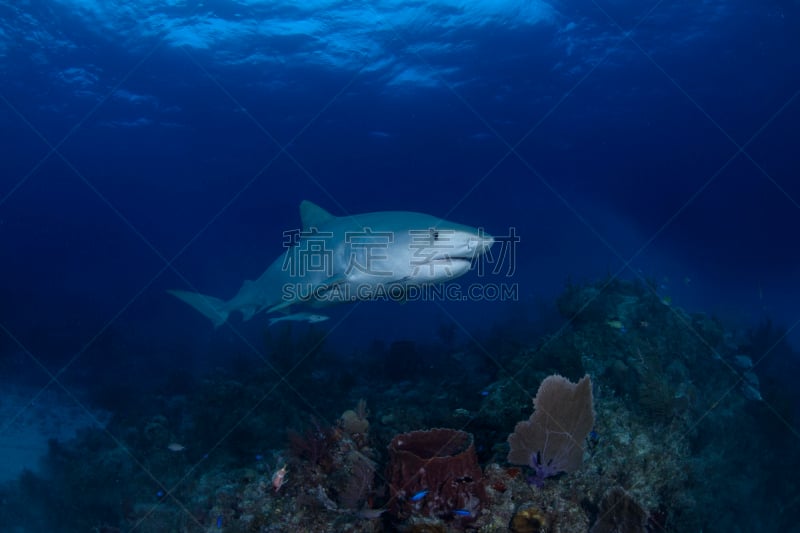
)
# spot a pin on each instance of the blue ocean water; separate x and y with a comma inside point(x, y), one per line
point(152, 146)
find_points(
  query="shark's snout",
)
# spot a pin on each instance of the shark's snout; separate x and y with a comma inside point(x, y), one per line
point(481, 243)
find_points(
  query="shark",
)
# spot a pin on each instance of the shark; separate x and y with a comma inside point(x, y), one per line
point(338, 259)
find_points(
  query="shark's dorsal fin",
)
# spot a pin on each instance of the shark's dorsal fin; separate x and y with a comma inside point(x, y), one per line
point(313, 216)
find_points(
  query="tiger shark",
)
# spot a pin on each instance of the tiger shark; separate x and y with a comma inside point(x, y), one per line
point(367, 256)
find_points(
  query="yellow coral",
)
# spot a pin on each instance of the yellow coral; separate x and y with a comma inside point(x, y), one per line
point(529, 520)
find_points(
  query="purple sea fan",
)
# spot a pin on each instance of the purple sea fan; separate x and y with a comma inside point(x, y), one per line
point(551, 440)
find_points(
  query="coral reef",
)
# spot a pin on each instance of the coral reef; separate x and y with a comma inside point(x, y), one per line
point(670, 449)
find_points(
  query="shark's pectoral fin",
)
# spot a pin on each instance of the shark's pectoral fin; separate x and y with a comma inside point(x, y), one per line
point(333, 280)
point(329, 285)
point(282, 305)
point(212, 308)
point(320, 292)
point(248, 312)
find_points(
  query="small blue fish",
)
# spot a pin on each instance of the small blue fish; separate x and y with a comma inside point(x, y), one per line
point(462, 512)
point(219, 522)
point(259, 457)
point(594, 439)
point(160, 494)
point(418, 496)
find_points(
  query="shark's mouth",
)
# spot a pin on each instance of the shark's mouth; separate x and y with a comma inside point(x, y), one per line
point(451, 259)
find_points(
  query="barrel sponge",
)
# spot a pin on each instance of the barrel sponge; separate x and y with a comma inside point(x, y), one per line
point(440, 466)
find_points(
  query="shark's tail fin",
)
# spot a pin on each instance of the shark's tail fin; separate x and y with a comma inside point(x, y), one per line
point(211, 307)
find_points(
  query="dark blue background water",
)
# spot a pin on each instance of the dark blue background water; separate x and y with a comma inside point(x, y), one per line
point(145, 147)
